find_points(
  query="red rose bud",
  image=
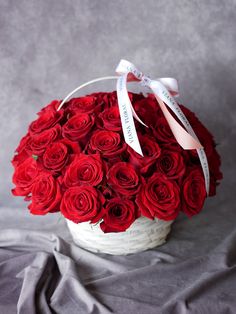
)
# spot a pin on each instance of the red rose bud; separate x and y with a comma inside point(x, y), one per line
point(147, 110)
point(119, 215)
point(38, 143)
point(24, 176)
point(46, 195)
point(78, 127)
point(109, 119)
point(159, 197)
point(84, 170)
point(106, 100)
point(53, 106)
point(82, 203)
point(162, 132)
point(171, 163)
point(45, 121)
point(123, 179)
point(193, 192)
point(57, 155)
point(23, 143)
point(151, 152)
point(108, 143)
point(80, 105)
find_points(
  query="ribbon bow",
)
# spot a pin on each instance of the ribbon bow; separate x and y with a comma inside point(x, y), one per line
point(164, 89)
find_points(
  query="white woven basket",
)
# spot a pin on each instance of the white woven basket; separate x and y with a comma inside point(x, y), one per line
point(142, 235)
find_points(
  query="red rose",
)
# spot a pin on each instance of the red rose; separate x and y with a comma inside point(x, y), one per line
point(23, 142)
point(151, 151)
point(85, 104)
point(78, 127)
point(106, 99)
point(21, 152)
point(171, 163)
point(146, 109)
point(19, 158)
point(24, 176)
point(123, 179)
point(193, 192)
point(119, 215)
point(84, 170)
point(109, 100)
point(46, 195)
point(52, 106)
point(159, 197)
point(38, 143)
point(46, 120)
point(58, 154)
point(108, 143)
point(82, 203)
point(109, 119)
point(162, 131)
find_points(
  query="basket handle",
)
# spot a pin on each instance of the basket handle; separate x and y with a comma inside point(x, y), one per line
point(84, 85)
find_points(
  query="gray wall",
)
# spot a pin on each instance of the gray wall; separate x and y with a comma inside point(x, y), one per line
point(47, 48)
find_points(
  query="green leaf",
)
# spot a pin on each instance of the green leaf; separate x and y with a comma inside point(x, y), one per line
point(35, 157)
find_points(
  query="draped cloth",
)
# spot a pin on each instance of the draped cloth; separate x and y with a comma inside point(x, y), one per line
point(42, 271)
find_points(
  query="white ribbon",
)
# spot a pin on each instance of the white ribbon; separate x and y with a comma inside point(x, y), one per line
point(163, 89)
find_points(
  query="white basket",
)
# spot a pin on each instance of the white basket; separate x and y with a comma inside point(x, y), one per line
point(142, 235)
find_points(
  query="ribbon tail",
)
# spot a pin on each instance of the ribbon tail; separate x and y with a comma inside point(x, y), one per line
point(164, 97)
point(126, 115)
point(185, 140)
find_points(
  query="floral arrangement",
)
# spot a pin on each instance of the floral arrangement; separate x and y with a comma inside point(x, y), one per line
point(75, 160)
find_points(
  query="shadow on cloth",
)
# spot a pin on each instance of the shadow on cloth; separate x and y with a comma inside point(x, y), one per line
point(42, 273)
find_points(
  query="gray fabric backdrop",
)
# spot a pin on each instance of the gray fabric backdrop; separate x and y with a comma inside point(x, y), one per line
point(47, 48)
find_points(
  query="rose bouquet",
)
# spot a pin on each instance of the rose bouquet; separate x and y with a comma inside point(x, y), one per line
point(75, 160)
